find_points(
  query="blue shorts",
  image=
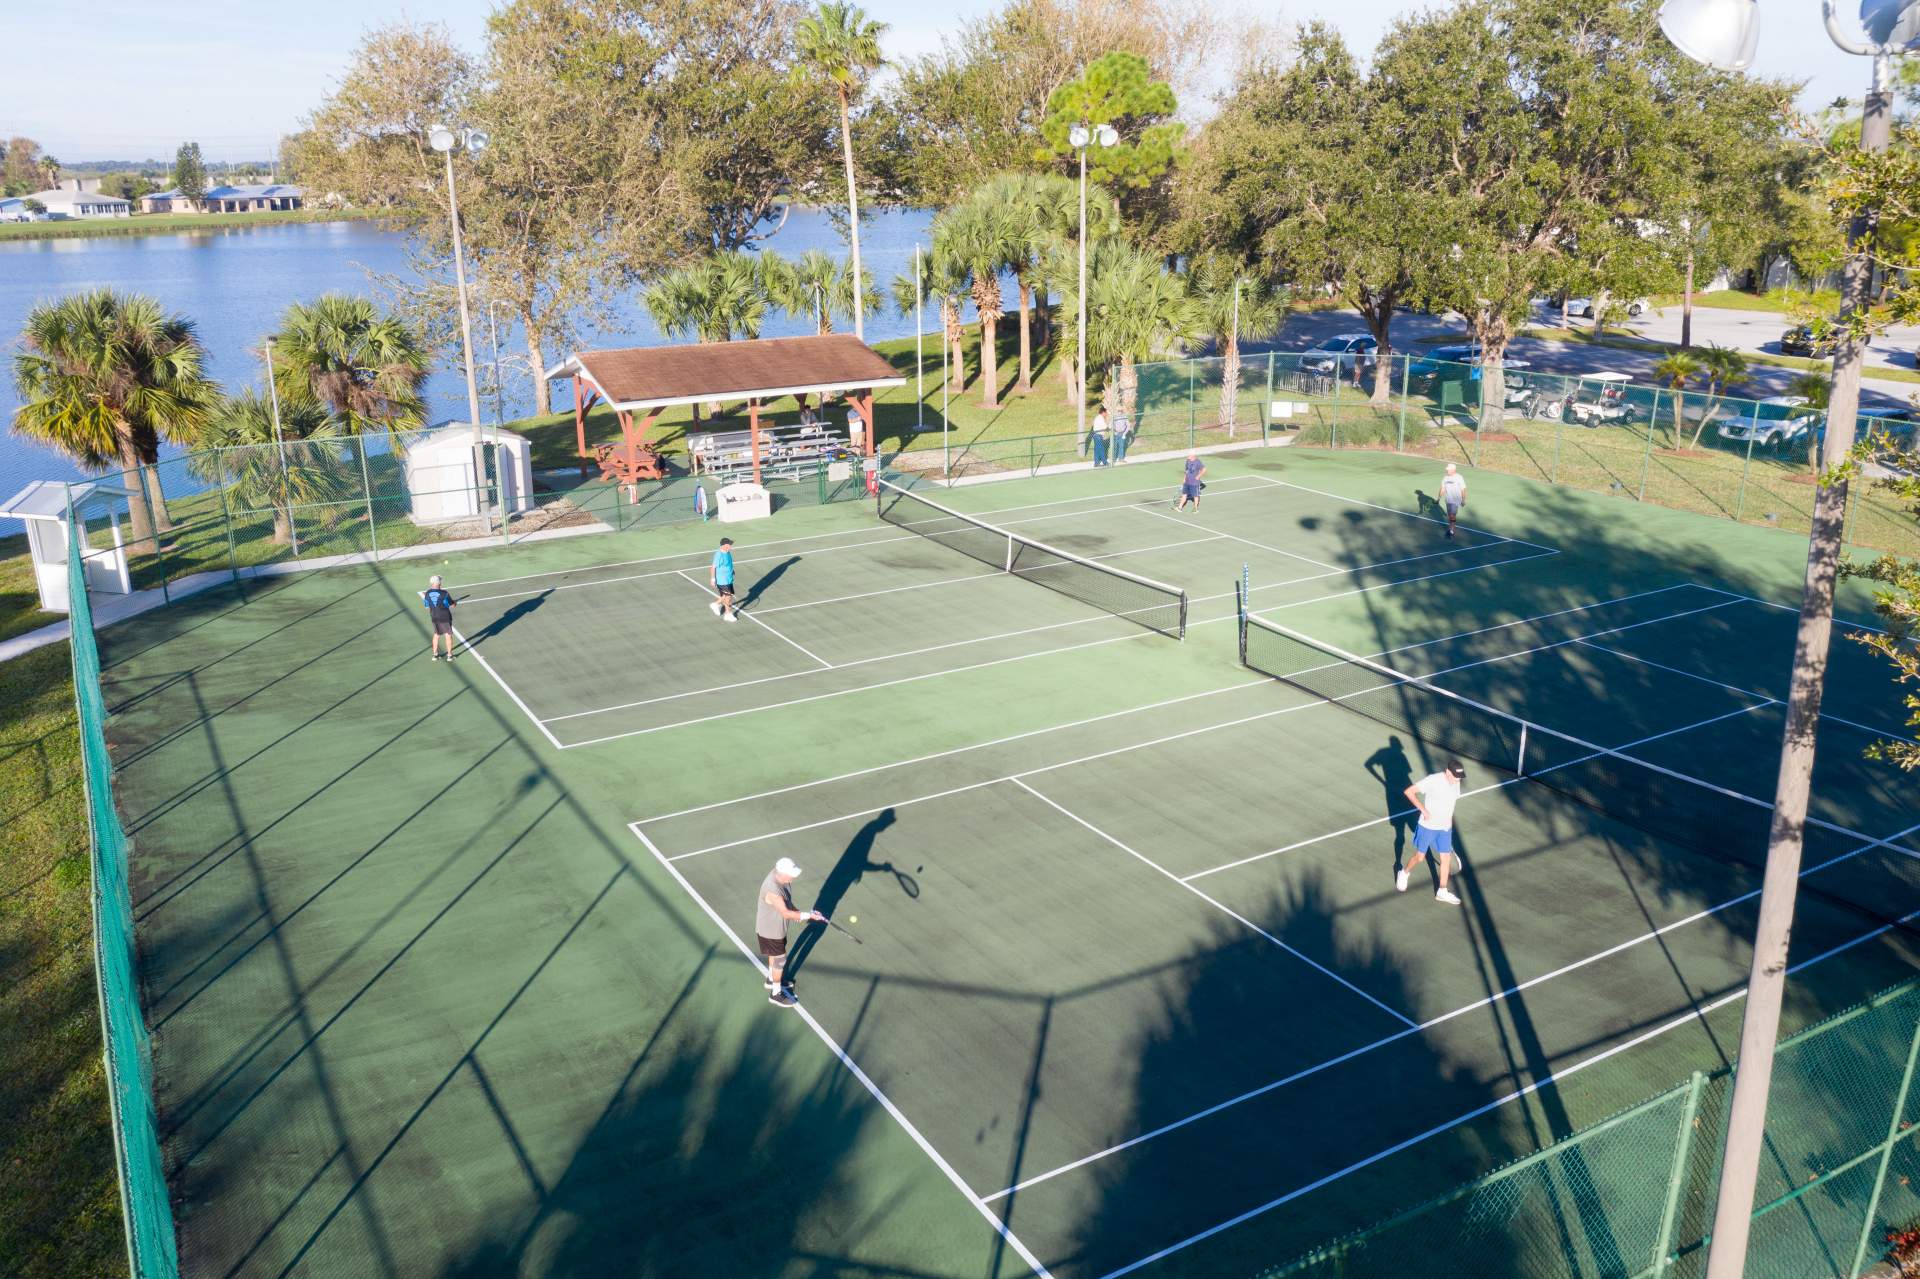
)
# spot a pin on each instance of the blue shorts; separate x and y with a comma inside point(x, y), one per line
point(1428, 840)
point(1191, 490)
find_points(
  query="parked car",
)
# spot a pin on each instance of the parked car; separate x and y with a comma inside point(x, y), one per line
point(1772, 423)
point(1442, 361)
point(1339, 352)
point(1634, 307)
point(1594, 399)
point(1801, 339)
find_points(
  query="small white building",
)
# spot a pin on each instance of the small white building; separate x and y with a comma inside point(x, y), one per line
point(42, 506)
point(441, 473)
point(81, 198)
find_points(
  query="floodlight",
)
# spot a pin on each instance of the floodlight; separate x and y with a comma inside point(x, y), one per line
point(1108, 135)
point(1723, 34)
point(477, 140)
point(440, 137)
point(1078, 135)
point(1890, 21)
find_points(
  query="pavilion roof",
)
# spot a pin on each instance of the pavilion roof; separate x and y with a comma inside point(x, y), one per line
point(647, 377)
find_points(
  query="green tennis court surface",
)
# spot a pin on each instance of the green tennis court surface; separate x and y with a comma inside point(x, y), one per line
point(448, 967)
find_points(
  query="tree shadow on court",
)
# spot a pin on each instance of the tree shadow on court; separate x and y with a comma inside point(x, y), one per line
point(765, 581)
point(525, 608)
point(1292, 1165)
point(848, 870)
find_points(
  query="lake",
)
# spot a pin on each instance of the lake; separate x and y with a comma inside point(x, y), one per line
point(234, 284)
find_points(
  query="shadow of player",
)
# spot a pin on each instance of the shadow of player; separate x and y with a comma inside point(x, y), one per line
point(766, 580)
point(508, 618)
point(852, 866)
point(1390, 767)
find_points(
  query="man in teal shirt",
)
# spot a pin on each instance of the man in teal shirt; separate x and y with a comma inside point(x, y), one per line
point(721, 575)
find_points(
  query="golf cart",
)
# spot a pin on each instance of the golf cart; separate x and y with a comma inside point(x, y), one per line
point(1593, 400)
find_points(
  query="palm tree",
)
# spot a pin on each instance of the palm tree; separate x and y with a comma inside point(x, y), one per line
point(264, 468)
point(714, 300)
point(365, 368)
point(841, 45)
point(103, 377)
point(1233, 302)
point(1676, 370)
point(1818, 390)
point(1724, 368)
point(1136, 309)
point(983, 238)
point(814, 285)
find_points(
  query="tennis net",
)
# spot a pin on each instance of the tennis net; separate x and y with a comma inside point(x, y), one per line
point(1154, 605)
point(1715, 821)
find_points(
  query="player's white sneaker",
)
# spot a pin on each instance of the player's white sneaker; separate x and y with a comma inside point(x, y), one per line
point(1444, 896)
point(715, 606)
point(1400, 881)
point(730, 617)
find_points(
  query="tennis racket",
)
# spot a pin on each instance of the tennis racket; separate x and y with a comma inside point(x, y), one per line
point(838, 929)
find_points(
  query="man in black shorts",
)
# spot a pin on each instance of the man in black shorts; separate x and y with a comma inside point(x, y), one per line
point(439, 604)
point(773, 912)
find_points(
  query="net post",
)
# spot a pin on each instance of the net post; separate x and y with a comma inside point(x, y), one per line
point(1677, 1175)
point(1011, 544)
point(1886, 1155)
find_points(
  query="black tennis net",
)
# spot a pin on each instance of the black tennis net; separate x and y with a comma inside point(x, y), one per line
point(1686, 811)
point(1157, 606)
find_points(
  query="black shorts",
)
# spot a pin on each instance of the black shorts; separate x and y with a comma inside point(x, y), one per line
point(724, 590)
point(773, 947)
point(443, 628)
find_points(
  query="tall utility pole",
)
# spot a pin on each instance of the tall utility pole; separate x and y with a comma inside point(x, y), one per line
point(443, 140)
point(1082, 136)
point(1725, 35)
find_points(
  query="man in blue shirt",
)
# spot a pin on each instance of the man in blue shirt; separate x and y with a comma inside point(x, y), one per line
point(439, 604)
point(1190, 485)
point(721, 575)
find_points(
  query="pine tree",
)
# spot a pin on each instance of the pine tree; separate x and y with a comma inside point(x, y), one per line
point(189, 173)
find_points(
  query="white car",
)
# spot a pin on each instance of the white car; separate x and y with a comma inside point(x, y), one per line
point(1772, 422)
point(1635, 308)
point(1337, 352)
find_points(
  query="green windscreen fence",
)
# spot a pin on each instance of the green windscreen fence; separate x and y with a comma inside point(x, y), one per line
point(1633, 1196)
point(136, 1135)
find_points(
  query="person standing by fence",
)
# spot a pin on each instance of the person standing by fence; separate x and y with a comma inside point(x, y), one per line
point(1100, 436)
point(1122, 436)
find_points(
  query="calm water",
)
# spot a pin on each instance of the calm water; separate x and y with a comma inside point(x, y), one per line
point(235, 283)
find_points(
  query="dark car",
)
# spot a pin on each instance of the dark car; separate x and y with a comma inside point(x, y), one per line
point(1802, 340)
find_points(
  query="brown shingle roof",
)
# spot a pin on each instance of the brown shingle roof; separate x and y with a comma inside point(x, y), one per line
point(651, 376)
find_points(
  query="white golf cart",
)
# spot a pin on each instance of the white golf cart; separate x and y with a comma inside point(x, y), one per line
point(1594, 399)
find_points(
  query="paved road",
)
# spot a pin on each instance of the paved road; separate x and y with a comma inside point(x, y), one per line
point(1761, 330)
point(1303, 329)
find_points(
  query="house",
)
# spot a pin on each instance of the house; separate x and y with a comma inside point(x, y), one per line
point(16, 210)
point(81, 198)
point(257, 197)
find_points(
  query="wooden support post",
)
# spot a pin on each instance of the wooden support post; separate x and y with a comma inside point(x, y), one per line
point(865, 404)
point(753, 435)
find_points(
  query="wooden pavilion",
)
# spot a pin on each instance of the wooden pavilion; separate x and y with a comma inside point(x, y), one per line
point(646, 380)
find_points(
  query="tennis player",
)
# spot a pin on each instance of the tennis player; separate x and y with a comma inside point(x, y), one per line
point(1453, 494)
point(1190, 482)
point(1435, 796)
point(721, 575)
point(439, 604)
point(774, 912)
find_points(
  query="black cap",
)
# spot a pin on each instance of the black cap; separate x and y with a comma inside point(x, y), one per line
point(1458, 769)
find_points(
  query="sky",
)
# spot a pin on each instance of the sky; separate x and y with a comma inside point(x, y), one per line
point(130, 79)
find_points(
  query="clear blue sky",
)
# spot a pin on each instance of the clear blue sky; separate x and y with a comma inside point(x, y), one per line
point(126, 79)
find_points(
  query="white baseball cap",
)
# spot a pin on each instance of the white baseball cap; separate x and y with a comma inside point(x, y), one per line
point(785, 866)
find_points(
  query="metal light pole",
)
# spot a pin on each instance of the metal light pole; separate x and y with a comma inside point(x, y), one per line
point(1081, 136)
point(919, 380)
point(1725, 34)
point(443, 140)
point(280, 446)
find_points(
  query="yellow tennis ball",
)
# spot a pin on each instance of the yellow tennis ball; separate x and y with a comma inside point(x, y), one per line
point(853, 919)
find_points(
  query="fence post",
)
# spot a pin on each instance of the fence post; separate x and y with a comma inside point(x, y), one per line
point(1266, 405)
point(1646, 454)
point(366, 488)
point(1193, 408)
point(226, 519)
point(1740, 505)
point(1479, 418)
point(1558, 428)
point(1886, 1155)
point(1406, 375)
point(1033, 459)
point(1676, 1178)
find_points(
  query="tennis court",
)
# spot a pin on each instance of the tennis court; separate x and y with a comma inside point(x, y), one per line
point(435, 991)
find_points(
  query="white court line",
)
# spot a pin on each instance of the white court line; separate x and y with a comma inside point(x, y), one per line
point(1824, 714)
point(1526, 621)
point(1553, 1077)
point(1391, 510)
point(1096, 497)
point(1478, 790)
point(1791, 608)
point(671, 572)
point(1244, 541)
point(1431, 1022)
point(707, 590)
point(1380, 586)
point(1235, 915)
point(1662, 666)
point(1284, 710)
point(676, 555)
point(853, 1068)
point(507, 689)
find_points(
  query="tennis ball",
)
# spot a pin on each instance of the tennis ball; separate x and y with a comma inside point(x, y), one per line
point(853, 919)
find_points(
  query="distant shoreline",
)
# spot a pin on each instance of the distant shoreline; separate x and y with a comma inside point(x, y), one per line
point(173, 223)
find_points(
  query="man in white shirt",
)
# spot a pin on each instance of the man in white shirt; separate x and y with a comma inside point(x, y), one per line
point(1453, 494)
point(1435, 796)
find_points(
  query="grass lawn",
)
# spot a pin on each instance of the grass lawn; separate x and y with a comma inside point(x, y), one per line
point(1780, 301)
point(162, 223)
point(59, 1206)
